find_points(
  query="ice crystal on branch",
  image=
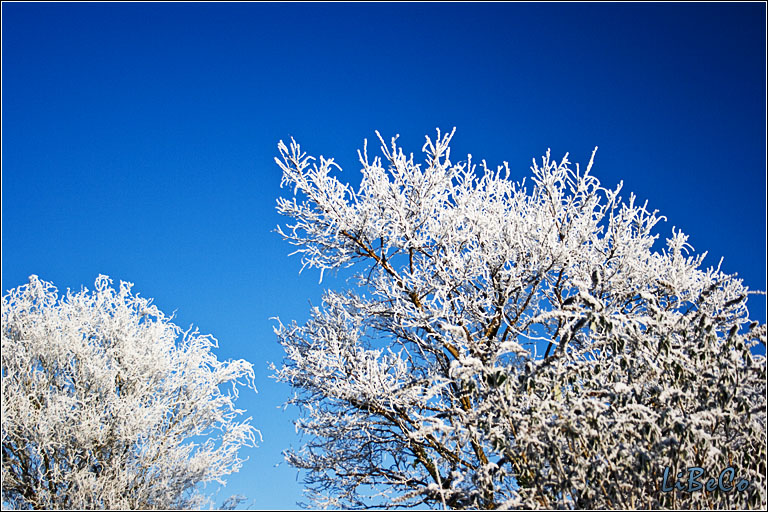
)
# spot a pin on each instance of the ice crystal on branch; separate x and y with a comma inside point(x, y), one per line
point(510, 344)
point(108, 404)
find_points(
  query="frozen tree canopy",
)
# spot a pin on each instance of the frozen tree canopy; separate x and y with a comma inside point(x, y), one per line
point(512, 344)
point(107, 404)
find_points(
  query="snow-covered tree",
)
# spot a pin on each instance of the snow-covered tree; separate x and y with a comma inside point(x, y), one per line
point(107, 404)
point(513, 345)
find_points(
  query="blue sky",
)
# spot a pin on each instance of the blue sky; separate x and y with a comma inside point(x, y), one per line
point(138, 140)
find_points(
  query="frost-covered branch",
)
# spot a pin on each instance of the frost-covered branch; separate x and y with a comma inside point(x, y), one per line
point(511, 344)
point(108, 404)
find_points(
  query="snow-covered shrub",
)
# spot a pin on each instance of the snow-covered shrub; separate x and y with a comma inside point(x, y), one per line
point(107, 404)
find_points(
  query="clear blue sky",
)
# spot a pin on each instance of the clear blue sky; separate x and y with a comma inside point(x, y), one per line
point(138, 139)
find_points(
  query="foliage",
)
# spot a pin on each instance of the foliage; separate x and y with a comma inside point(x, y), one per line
point(107, 404)
point(512, 345)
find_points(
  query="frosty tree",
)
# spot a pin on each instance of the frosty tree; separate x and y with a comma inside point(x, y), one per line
point(511, 344)
point(107, 404)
